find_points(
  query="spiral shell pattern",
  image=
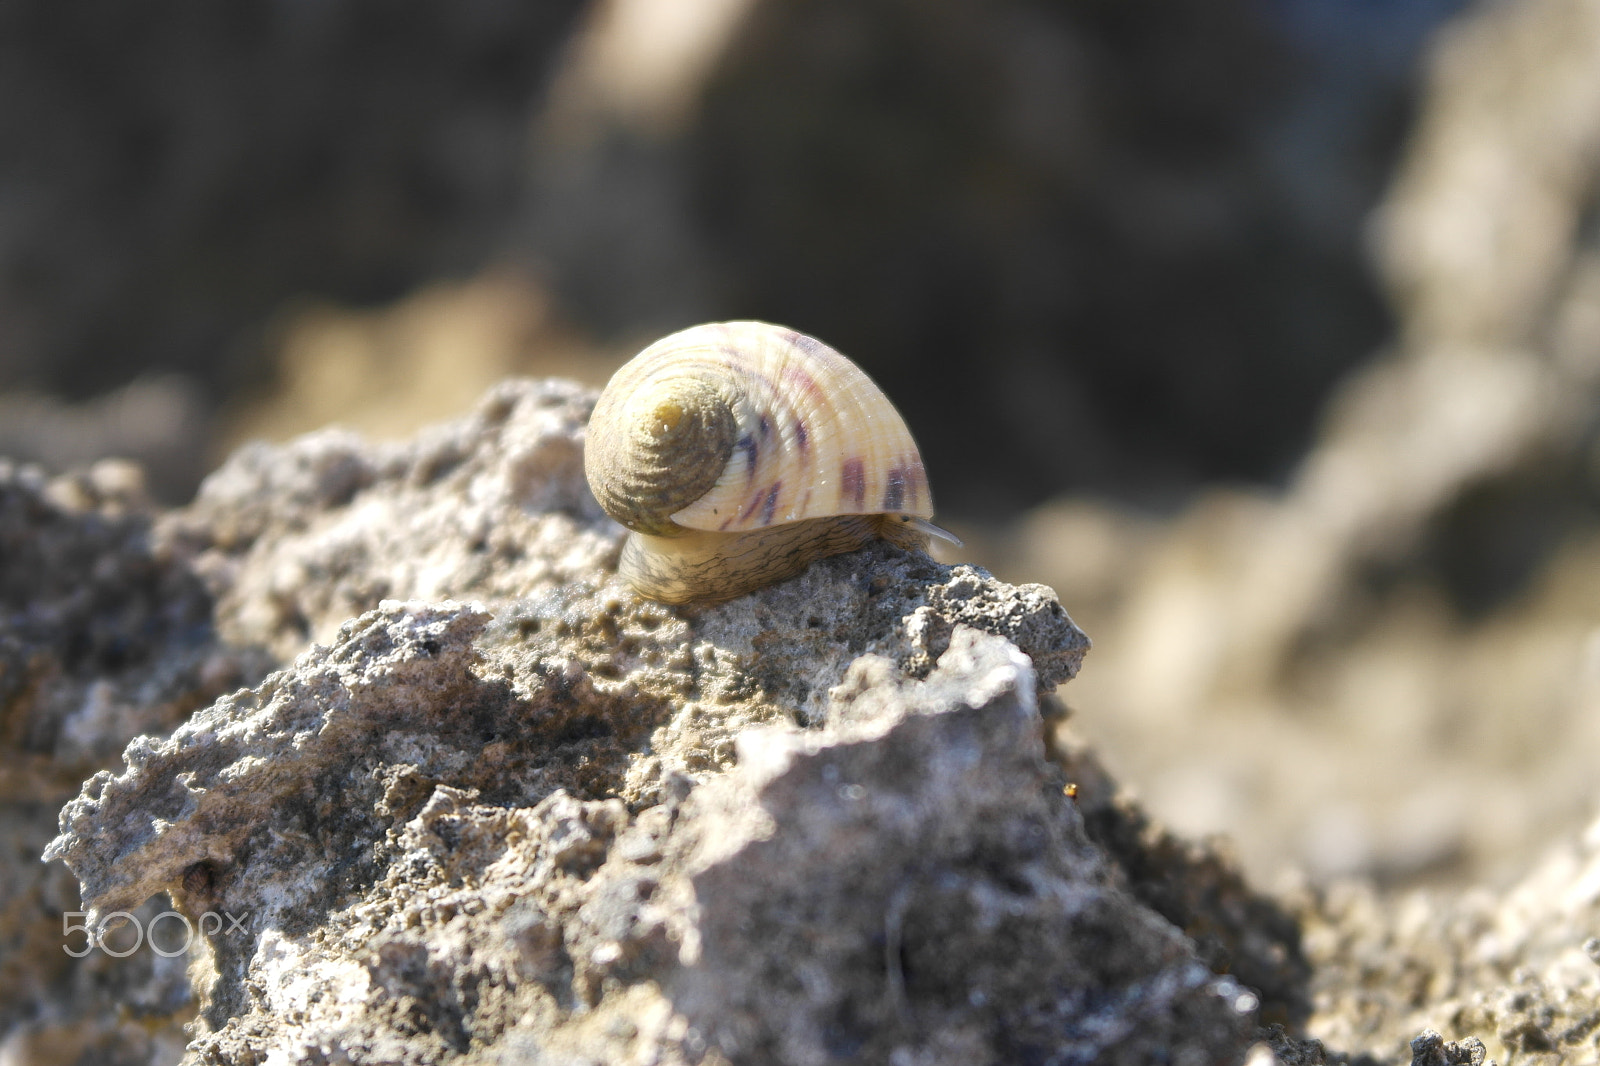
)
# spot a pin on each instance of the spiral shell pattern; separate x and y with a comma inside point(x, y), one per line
point(739, 452)
point(806, 435)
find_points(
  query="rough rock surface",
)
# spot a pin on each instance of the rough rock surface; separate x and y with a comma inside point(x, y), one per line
point(1517, 972)
point(295, 540)
point(445, 841)
point(103, 637)
point(500, 808)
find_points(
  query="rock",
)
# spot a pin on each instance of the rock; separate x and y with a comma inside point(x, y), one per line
point(1430, 1049)
point(524, 815)
point(423, 831)
point(295, 540)
point(162, 423)
point(1510, 975)
point(496, 808)
point(104, 636)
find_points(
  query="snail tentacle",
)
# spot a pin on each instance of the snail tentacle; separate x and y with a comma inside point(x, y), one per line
point(929, 529)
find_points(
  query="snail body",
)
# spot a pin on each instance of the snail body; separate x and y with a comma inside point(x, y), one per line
point(740, 452)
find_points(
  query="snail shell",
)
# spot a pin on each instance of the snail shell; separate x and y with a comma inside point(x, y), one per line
point(740, 452)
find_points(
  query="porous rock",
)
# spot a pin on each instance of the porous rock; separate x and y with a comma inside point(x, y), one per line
point(1510, 976)
point(103, 636)
point(429, 842)
point(549, 821)
point(294, 540)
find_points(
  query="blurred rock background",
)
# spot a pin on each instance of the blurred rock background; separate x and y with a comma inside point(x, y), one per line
point(1266, 331)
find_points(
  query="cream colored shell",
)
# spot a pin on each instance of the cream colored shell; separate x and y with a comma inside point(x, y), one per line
point(815, 436)
point(736, 428)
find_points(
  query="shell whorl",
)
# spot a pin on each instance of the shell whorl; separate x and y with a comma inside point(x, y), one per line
point(811, 435)
point(740, 452)
point(658, 444)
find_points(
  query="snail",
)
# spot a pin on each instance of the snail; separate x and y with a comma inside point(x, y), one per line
point(738, 453)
